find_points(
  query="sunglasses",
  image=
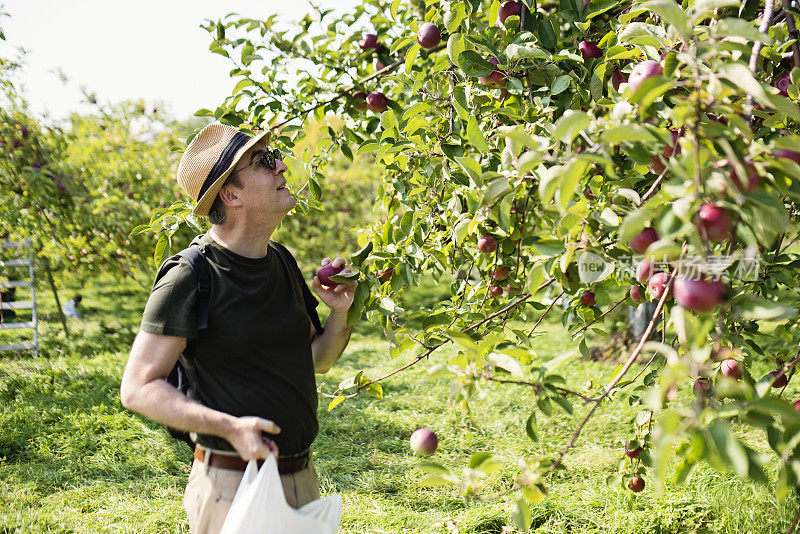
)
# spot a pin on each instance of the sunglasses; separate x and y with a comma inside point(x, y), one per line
point(265, 160)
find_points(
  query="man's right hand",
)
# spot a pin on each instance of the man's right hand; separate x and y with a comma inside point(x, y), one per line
point(247, 438)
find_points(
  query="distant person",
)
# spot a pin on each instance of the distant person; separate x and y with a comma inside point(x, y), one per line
point(70, 309)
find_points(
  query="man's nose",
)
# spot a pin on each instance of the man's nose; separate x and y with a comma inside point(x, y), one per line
point(280, 166)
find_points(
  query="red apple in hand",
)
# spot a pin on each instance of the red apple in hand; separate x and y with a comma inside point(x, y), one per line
point(508, 9)
point(698, 295)
point(325, 272)
point(732, 368)
point(644, 239)
point(424, 441)
point(589, 50)
point(643, 71)
point(376, 101)
point(429, 35)
point(369, 42)
point(716, 221)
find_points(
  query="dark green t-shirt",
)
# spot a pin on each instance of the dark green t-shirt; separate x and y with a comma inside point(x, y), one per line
point(254, 358)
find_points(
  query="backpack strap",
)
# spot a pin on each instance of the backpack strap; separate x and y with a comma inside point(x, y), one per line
point(201, 270)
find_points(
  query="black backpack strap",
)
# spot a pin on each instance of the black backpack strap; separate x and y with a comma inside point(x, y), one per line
point(309, 299)
point(199, 265)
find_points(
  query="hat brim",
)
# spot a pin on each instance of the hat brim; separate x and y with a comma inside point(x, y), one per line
point(205, 202)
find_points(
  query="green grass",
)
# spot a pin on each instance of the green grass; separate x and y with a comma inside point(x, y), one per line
point(72, 460)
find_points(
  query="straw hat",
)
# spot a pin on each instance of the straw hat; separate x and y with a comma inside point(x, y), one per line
point(209, 160)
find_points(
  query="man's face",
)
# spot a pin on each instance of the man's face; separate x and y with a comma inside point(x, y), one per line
point(263, 190)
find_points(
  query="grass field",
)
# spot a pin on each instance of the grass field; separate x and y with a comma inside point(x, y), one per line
point(72, 460)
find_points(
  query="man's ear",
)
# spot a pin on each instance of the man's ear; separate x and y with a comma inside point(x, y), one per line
point(229, 197)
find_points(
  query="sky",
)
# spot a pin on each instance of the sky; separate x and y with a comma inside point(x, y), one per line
point(147, 49)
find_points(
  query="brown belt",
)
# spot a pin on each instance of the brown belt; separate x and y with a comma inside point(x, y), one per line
point(286, 464)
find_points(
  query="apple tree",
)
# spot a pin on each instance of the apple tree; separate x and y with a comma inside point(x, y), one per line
point(592, 153)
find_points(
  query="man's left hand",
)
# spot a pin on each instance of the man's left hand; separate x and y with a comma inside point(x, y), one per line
point(338, 298)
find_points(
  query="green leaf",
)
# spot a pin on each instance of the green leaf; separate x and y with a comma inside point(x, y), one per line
point(756, 308)
point(359, 302)
point(530, 428)
point(741, 76)
point(476, 136)
point(628, 132)
point(560, 84)
point(731, 27)
point(335, 402)
point(474, 65)
point(472, 167)
point(672, 12)
point(434, 480)
point(411, 55)
point(518, 52)
point(455, 45)
point(570, 178)
point(570, 124)
point(478, 459)
point(358, 258)
point(521, 514)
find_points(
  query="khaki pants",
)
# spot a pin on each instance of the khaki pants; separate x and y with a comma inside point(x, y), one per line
point(210, 491)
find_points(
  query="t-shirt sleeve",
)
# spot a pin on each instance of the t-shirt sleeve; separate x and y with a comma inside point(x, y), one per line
point(171, 308)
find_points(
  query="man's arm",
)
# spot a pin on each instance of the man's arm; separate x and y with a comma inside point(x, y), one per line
point(328, 346)
point(144, 390)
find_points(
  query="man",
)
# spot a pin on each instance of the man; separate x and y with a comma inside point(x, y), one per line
point(251, 371)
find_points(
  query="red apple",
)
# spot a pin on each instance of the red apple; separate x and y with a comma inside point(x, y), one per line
point(370, 41)
point(496, 291)
point(61, 186)
point(589, 50)
point(24, 132)
point(643, 71)
point(360, 100)
point(732, 368)
point(501, 273)
point(325, 272)
point(376, 101)
point(644, 239)
point(636, 484)
point(496, 78)
point(783, 83)
point(386, 274)
point(428, 35)
point(697, 294)
point(507, 9)
point(16, 143)
point(701, 387)
point(753, 179)
point(587, 299)
point(586, 3)
point(487, 244)
point(618, 78)
point(631, 452)
point(644, 270)
point(424, 441)
point(716, 221)
point(673, 148)
point(657, 285)
point(779, 378)
point(636, 294)
point(797, 405)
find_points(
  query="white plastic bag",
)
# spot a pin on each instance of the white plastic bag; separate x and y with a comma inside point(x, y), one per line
point(259, 507)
